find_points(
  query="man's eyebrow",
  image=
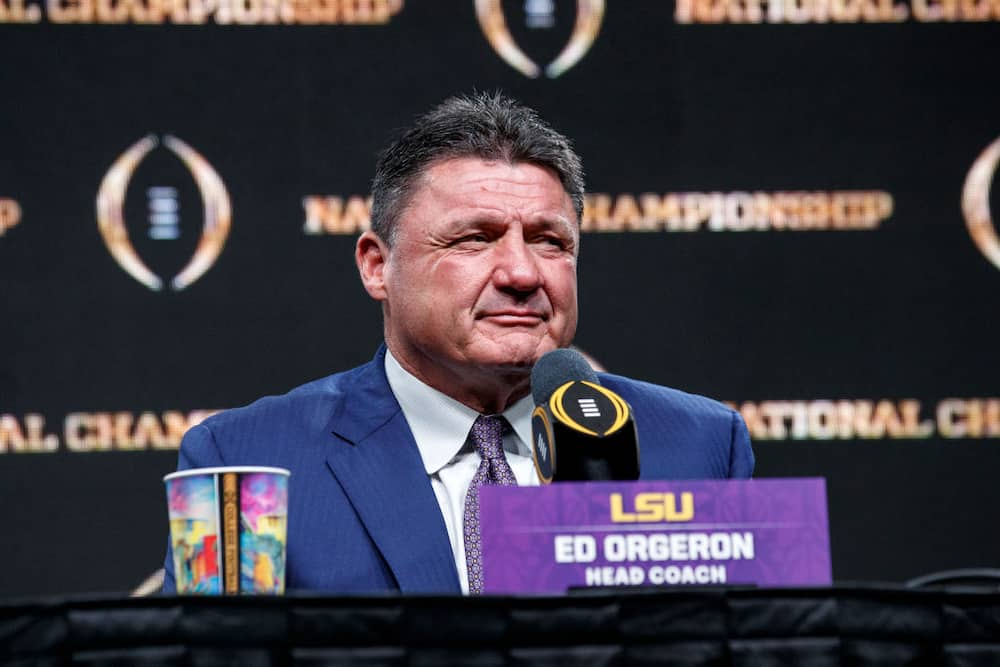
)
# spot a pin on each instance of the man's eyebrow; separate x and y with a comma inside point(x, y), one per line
point(558, 222)
point(462, 221)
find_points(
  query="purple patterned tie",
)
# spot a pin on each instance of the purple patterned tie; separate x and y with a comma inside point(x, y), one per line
point(487, 435)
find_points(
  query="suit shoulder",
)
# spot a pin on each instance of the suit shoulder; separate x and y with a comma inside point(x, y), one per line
point(685, 436)
point(667, 398)
point(310, 401)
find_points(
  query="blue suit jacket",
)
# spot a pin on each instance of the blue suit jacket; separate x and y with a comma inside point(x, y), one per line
point(362, 515)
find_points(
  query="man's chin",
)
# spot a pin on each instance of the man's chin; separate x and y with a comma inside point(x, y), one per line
point(515, 358)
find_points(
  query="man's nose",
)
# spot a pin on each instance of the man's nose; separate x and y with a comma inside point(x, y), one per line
point(516, 265)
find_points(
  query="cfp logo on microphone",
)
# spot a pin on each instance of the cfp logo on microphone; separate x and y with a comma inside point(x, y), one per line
point(976, 203)
point(164, 213)
point(540, 15)
point(576, 402)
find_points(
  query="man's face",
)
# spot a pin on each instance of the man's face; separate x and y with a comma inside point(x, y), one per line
point(482, 274)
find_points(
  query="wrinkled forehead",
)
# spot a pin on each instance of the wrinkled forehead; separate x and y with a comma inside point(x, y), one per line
point(465, 177)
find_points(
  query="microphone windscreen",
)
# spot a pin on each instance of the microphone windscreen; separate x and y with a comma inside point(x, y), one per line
point(555, 369)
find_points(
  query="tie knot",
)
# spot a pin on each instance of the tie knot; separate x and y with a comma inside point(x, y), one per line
point(487, 435)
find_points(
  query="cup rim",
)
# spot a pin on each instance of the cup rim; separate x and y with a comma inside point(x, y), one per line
point(219, 470)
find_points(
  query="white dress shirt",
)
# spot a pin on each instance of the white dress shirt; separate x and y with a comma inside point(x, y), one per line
point(441, 426)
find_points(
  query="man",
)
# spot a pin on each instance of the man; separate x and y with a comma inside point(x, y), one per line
point(472, 254)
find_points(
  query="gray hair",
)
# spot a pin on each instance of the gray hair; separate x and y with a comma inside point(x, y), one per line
point(489, 126)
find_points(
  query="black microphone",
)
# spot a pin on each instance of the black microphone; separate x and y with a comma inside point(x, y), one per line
point(580, 431)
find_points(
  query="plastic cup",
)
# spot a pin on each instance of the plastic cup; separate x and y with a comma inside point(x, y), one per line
point(227, 530)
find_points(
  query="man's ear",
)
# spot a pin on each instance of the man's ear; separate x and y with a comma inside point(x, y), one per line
point(371, 255)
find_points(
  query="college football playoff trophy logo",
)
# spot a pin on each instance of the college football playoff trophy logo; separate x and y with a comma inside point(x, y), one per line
point(589, 14)
point(163, 217)
point(976, 202)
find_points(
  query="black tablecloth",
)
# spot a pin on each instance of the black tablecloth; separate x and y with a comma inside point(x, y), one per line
point(823, 626)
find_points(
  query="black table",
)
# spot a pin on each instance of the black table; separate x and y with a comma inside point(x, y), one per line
point(821, 626)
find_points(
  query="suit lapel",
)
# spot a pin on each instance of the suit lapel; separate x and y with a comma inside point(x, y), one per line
point(380, 469)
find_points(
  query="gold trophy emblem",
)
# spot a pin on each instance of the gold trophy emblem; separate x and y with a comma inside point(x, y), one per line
point(589, 14)
point(111, 216)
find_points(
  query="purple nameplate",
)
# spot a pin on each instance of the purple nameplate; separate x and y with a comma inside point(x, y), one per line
point(547, 539)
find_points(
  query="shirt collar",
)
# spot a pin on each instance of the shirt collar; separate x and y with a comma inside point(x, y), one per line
point(441, 425)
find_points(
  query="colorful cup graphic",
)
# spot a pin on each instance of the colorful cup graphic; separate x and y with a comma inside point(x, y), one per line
point(227, 530)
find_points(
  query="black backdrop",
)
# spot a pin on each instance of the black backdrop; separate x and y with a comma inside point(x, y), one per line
point(897, 311)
